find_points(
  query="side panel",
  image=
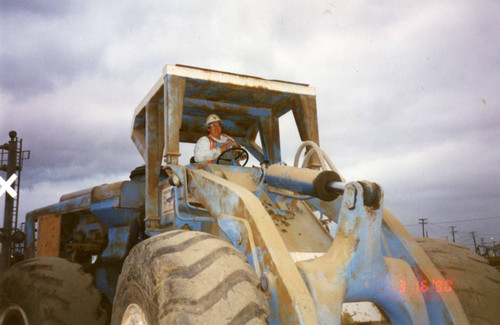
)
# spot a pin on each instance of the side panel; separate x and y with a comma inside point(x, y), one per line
point(49, 235)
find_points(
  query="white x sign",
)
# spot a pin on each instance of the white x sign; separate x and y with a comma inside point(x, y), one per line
point(5, 186)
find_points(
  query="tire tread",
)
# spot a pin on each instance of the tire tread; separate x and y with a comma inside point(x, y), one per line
point(52, 291)
point(194, 278)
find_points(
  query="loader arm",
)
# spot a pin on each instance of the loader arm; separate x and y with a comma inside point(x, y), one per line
point(242, 217)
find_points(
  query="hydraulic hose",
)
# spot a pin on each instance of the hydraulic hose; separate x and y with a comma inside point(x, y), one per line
point(324, 160)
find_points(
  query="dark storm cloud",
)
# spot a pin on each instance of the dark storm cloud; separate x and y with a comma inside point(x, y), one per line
point(65, 146)
point(38, 7)
point(79, 159)
point(30, 74)
point(40, 47)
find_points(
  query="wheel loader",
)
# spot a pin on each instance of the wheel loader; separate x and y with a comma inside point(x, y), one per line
point(229, 242)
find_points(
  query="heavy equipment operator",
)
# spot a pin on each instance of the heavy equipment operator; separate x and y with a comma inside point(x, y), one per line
point(209, 147)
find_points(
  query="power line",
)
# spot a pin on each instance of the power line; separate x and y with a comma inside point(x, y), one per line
point(442, 227)
point(453, 221)
point(435, 234)
point(464, 237)
point(464, 220)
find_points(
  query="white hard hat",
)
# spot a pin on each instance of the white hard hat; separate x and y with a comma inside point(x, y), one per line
point(211, 119)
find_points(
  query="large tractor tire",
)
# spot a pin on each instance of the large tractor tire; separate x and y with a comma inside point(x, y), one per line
point(49, 290)
point(475, 282)
point(188, 277)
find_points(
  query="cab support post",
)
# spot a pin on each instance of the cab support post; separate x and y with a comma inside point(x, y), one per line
point(154, 118)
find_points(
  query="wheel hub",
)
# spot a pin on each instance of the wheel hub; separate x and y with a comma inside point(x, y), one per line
point(13, 315)
point(133, 316)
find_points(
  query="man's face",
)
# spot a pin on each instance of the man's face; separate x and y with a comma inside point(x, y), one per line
point(215, 129)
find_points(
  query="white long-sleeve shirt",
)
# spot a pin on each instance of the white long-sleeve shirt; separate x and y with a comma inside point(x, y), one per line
point(202, 151)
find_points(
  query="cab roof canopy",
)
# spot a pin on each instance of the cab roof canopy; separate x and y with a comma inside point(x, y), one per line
point(176, 108)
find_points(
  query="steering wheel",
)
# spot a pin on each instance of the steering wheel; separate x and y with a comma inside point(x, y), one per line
point(234, 155)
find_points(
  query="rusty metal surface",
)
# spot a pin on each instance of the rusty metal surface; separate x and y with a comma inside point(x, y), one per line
point(173, 104)
point(154, 121)
point(106, 191)
point(76, 194)
point(248, 104)
point(49, 235)
point(67, 206)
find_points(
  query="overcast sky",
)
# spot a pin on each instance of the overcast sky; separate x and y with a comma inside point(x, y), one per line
point(407, 91)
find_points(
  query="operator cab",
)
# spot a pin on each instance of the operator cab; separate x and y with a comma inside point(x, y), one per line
point(249, 106)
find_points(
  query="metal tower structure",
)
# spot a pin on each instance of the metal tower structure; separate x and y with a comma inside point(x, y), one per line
point(12, 236)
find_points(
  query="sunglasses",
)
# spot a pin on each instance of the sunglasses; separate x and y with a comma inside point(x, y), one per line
point(219, 124)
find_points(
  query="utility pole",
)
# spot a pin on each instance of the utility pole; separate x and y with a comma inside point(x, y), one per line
point(423, 222)
point(476, 249)
point(453, 232)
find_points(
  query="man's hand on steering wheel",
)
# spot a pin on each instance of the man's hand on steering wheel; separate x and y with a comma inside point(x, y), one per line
point(234, 155)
